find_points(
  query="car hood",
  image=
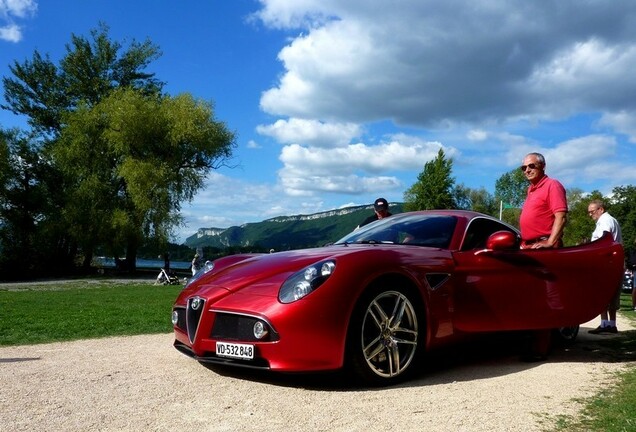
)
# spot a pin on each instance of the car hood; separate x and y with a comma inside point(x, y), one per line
point(262, 274)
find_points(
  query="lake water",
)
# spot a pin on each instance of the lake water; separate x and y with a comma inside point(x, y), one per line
point(143, 263)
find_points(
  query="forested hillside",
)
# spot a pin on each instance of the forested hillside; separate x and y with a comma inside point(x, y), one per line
point(287, 232)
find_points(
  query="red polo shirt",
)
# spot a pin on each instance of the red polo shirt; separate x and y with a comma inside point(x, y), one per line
point(543, 200)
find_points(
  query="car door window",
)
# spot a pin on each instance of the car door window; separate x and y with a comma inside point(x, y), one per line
point(478, 232)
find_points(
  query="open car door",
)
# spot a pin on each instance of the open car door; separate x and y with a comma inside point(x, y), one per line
point(504, 288)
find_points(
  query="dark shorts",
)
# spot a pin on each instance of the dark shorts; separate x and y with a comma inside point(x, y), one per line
point(615, 302)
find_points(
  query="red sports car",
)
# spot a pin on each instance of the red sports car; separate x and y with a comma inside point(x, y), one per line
point(382, 296)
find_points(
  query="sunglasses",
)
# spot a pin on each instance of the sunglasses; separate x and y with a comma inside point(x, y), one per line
point(531, 166)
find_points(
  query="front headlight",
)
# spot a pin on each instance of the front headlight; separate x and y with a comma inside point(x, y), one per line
point(305, 281)
point(207, 267)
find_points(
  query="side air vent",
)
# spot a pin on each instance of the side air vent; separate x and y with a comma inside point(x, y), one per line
point(436, 280)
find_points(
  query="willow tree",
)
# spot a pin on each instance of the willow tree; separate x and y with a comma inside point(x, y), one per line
point(136, 159)
point(127, 154)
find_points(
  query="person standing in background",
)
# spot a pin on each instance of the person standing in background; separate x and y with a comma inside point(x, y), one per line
point(380, 211)
point(196, 264)
point(166, 262)
point(606, 223)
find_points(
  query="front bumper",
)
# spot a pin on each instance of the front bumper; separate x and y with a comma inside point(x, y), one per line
point(212, 358)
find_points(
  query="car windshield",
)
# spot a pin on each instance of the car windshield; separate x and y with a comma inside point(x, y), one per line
point(413, 229)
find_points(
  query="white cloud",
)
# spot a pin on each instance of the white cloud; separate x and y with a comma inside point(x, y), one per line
point(581, 160)
point(588, 74)
point(477, 135)
point(380, 158)
point(9, 11)
point(492, 79)
point(354, 169)
point(623, 122)
point(585, 159)
point(423, 63)
point(18, 8)
point(311, 132)
point(292, 14)
point(352, 184)
point(11, 33)
point(578, 153)
point(224, 192)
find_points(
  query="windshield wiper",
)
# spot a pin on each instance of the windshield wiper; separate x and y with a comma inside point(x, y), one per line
point(372, 241)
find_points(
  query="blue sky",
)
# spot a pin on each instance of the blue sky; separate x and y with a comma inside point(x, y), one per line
point(336, 102)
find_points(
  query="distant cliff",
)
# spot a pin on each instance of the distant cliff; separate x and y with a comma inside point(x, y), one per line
point(287, 232)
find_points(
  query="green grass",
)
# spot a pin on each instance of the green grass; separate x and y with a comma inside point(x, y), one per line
point(82, 310)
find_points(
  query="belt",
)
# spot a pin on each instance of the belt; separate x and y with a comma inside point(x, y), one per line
point(559, 243)
point(535, 240)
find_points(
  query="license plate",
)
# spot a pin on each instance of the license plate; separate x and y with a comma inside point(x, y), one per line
point(233, 350)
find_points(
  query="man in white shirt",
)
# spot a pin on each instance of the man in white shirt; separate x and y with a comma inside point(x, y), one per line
point(605, 222)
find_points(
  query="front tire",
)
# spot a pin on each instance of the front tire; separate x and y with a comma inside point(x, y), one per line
point(385, 337)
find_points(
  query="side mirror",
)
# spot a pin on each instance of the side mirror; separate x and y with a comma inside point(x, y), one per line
point(502, 240)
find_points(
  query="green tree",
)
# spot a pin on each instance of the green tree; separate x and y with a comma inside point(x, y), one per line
point(5, 164)
point(121, 156)
point(90, 70)
point(479, 200)
point(136, 158)
point(579, 226)
point(623, 208)
point(462, 196)
point(29, 239)
point(510, 193)
point(46, 93)
point(511, 188)
point(434, 188)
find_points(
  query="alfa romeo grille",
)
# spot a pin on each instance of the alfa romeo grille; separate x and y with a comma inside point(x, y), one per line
point(196, 305)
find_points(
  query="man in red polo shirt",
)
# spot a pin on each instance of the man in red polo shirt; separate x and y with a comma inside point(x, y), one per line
point(544, 212)
point(542, 220)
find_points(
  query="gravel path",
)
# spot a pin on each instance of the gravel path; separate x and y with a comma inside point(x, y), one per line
point(142, 383)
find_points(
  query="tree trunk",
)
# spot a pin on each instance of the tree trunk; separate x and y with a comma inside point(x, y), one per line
point(131, 255)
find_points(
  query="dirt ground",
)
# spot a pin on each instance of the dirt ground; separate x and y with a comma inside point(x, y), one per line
point(142, 383)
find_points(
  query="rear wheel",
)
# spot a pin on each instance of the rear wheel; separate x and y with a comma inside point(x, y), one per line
point(565, 335)
point(384, 339)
